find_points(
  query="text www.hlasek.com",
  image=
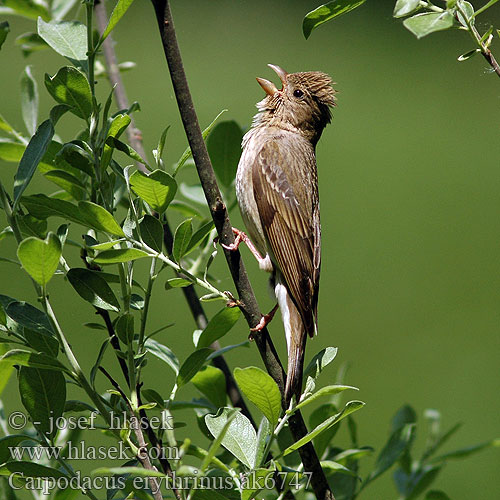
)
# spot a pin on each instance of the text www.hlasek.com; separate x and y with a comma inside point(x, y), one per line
point(80, 451)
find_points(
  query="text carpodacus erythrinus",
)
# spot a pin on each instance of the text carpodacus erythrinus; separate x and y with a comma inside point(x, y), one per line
point(277, 191)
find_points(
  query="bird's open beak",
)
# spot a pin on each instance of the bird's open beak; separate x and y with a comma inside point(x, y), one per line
point(269, 87)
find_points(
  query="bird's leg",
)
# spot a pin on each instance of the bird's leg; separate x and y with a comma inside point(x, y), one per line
point(265, 320)
point(241, 237)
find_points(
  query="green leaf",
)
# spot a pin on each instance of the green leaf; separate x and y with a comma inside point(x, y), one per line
point(405, 415)
point(468, 10)
point(414, 484)
point(30, 469)
point(120, 255)
point(118, 12)
point(152, 232)
point(33, 153)
point(405, 7)
point(30, 42)
point(324, 391)
point(32, 359)
point(192, 365)
point(41, 207)
point(42, 342)
point(29, 317)
point(194, 193)
point(118, 125)
point(468, 55)
point(31, 226)
point(164, 353)
point(68, 38)
point(424, 24)
point(349, 408)
point(75, 156)
point(4, 31)
point(125, 148)
point(327, 12)
point(218, 326)
point(261, 390)
point(224, 148)
point(320, 361)
point(99, 218)
point(10, 441)
point(182, 237)
point(43, 394)
point(199, 236)
point(11, 150)
point(468, 450)
point(40, 258)
point(485, 7)
point(70, 86)
point(240, 438)
point(211, 382)
point(156, 189)
point(92, 288)
point(68, 182)
point(398, 443)
point(188, 153)
point(28, 8)
point(29, 100)
point(177, 283)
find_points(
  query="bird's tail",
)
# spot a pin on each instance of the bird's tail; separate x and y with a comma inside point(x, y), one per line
point(296, 341)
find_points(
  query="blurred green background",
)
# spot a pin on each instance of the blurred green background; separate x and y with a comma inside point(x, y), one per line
point(409, 184)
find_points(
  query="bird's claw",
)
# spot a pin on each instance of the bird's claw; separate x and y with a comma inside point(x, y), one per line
point(264, 320)
point(239, 237)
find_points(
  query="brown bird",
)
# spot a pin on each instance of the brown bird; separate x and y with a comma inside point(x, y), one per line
point(277, 191)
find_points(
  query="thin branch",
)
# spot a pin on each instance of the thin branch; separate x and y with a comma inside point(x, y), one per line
point(223, 225)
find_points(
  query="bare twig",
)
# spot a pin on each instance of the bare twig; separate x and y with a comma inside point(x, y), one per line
point(220, 216)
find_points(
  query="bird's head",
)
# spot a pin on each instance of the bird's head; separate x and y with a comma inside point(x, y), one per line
point(303, 102)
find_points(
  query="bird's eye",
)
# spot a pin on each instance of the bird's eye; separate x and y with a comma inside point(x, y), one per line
point(298, 93)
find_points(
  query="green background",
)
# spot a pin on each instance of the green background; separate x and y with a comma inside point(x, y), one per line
point(409, 186)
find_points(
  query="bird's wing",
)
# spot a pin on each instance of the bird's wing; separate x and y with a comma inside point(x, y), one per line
point(287, 200)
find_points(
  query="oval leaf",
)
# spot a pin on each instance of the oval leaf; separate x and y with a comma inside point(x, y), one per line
point(192, 365)
point(120, 255)
point(327, 12)
point(70, 86)
point(261, 390)
point(152, 232)
point(424, 24)
point(164, 353)
point(224, 148)
point(218, 326)
point(92, 288)
point(156, 189)
point(43, 394)
point(99, 218)
point(40, 258)
point(211, 382)
point(182, 237)
point(240, 438)
point(32, 156)
point(349, 408)
point(68, 38)
point(29, 100)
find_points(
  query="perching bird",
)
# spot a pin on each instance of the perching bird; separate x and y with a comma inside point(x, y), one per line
point(277, 191)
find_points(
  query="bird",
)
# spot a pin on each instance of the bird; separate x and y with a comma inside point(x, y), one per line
point(277, 193)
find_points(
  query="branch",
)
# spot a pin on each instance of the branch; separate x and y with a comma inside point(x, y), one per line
point(223, 225)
